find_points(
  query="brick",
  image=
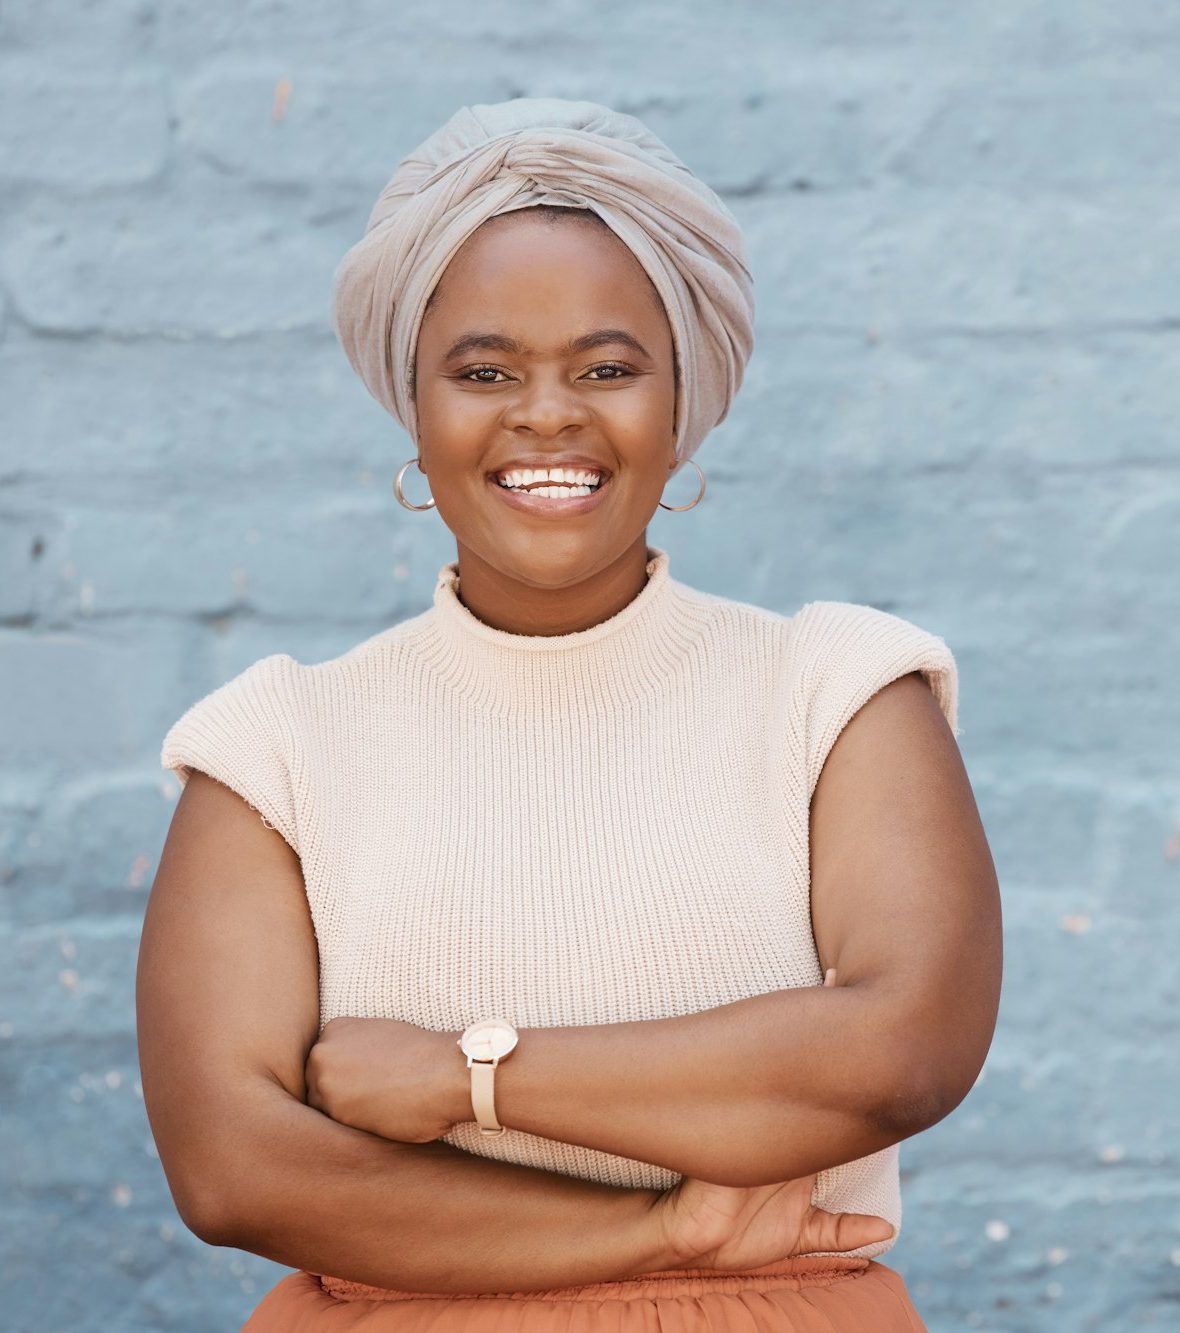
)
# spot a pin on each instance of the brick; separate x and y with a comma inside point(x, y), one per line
point(86, 1089)
point(96, 29)
point(345, 573)
point(1139, 858)
point(1042, 829)
point(254, 556)
point(22, 547)
point(928, 531)
point(812, 127)
point(917, 411)
point(71, 979)
point(88, 701)
point(365, 33)
point(282, 125)
point(79, 132)
point(967, 259)
point(93, 850)
point(1048, 1247)
point(1101, 32)
point(154, 1273)
point(1109, 717)
point(1084, 972)
point(1040, 131)
point(164, 270)
point(1141, 548)
point(106, 419)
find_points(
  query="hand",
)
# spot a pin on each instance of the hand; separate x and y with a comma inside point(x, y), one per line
point(735, 1227)
point(390, 1078)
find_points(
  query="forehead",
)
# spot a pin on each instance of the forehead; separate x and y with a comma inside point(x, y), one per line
point(514, 262)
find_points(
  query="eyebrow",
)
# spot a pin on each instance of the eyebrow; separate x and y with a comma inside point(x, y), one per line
point(498, 342)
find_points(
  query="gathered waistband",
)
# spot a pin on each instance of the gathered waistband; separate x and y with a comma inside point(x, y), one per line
point(798, 1271)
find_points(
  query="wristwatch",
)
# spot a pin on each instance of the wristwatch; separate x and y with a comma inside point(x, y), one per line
point(485, 1044)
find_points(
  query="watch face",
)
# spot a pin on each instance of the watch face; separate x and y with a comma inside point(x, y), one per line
point(489, 1039)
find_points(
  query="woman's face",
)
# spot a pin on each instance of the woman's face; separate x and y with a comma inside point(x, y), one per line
point(485, 408)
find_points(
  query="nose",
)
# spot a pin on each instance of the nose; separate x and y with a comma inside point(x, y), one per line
point(545, 405)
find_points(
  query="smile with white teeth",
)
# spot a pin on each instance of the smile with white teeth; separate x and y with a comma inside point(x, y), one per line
point(555, 483)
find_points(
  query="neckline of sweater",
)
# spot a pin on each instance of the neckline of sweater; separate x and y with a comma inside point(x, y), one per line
point(625, 656)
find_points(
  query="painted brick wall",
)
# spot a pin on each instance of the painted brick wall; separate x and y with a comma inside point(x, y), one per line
point(962, 408)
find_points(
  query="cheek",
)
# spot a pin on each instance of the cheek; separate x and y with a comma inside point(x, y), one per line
point(647, 399)
point(649, 417)
point(450, 424)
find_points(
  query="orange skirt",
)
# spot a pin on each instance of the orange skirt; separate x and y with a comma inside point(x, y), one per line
point(806, 1294)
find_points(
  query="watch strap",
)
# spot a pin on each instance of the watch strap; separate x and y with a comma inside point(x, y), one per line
point(483, 1100)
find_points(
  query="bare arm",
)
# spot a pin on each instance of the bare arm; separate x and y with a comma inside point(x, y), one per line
point(905, 905)
point(227, 1008)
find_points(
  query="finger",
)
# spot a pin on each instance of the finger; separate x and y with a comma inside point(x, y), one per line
point(830, 977)
point(849, 1231)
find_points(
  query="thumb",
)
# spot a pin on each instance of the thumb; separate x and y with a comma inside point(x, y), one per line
point(847, 1231)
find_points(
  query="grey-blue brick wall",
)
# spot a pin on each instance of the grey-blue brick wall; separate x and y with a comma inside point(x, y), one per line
point(963, 407)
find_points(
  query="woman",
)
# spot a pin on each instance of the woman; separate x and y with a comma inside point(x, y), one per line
point(518, 1023)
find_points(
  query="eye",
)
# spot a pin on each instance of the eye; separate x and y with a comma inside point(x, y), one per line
point(613, 365)
point(475, 370)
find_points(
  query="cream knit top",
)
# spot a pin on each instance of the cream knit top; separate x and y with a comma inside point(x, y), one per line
point(595, 827)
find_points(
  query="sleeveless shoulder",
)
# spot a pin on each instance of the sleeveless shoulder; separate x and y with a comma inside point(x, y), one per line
point(842, 653)
point(243, 734)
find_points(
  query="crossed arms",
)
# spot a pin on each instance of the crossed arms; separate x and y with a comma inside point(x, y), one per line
point(905, 906)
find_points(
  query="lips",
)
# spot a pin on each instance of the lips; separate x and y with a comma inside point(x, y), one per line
point(543, 507)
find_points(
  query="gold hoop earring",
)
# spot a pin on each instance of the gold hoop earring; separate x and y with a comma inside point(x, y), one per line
point(397, 487)
point(681, 508)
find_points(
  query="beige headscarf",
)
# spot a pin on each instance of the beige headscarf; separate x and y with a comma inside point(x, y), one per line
point(490, 159)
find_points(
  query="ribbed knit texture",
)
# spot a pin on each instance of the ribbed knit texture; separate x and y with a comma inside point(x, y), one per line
point(596, 827)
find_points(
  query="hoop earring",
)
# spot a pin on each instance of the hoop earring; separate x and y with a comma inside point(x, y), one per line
point(680, 508)
point(397, 487)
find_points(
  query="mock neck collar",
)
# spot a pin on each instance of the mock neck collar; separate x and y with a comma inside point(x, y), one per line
point(630, 654)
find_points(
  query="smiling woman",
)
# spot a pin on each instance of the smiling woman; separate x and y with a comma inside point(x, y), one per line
point(601, 938)
point(611, 287)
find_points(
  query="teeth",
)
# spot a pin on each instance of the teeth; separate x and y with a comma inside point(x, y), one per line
point(554, 492)
point(583, 480)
